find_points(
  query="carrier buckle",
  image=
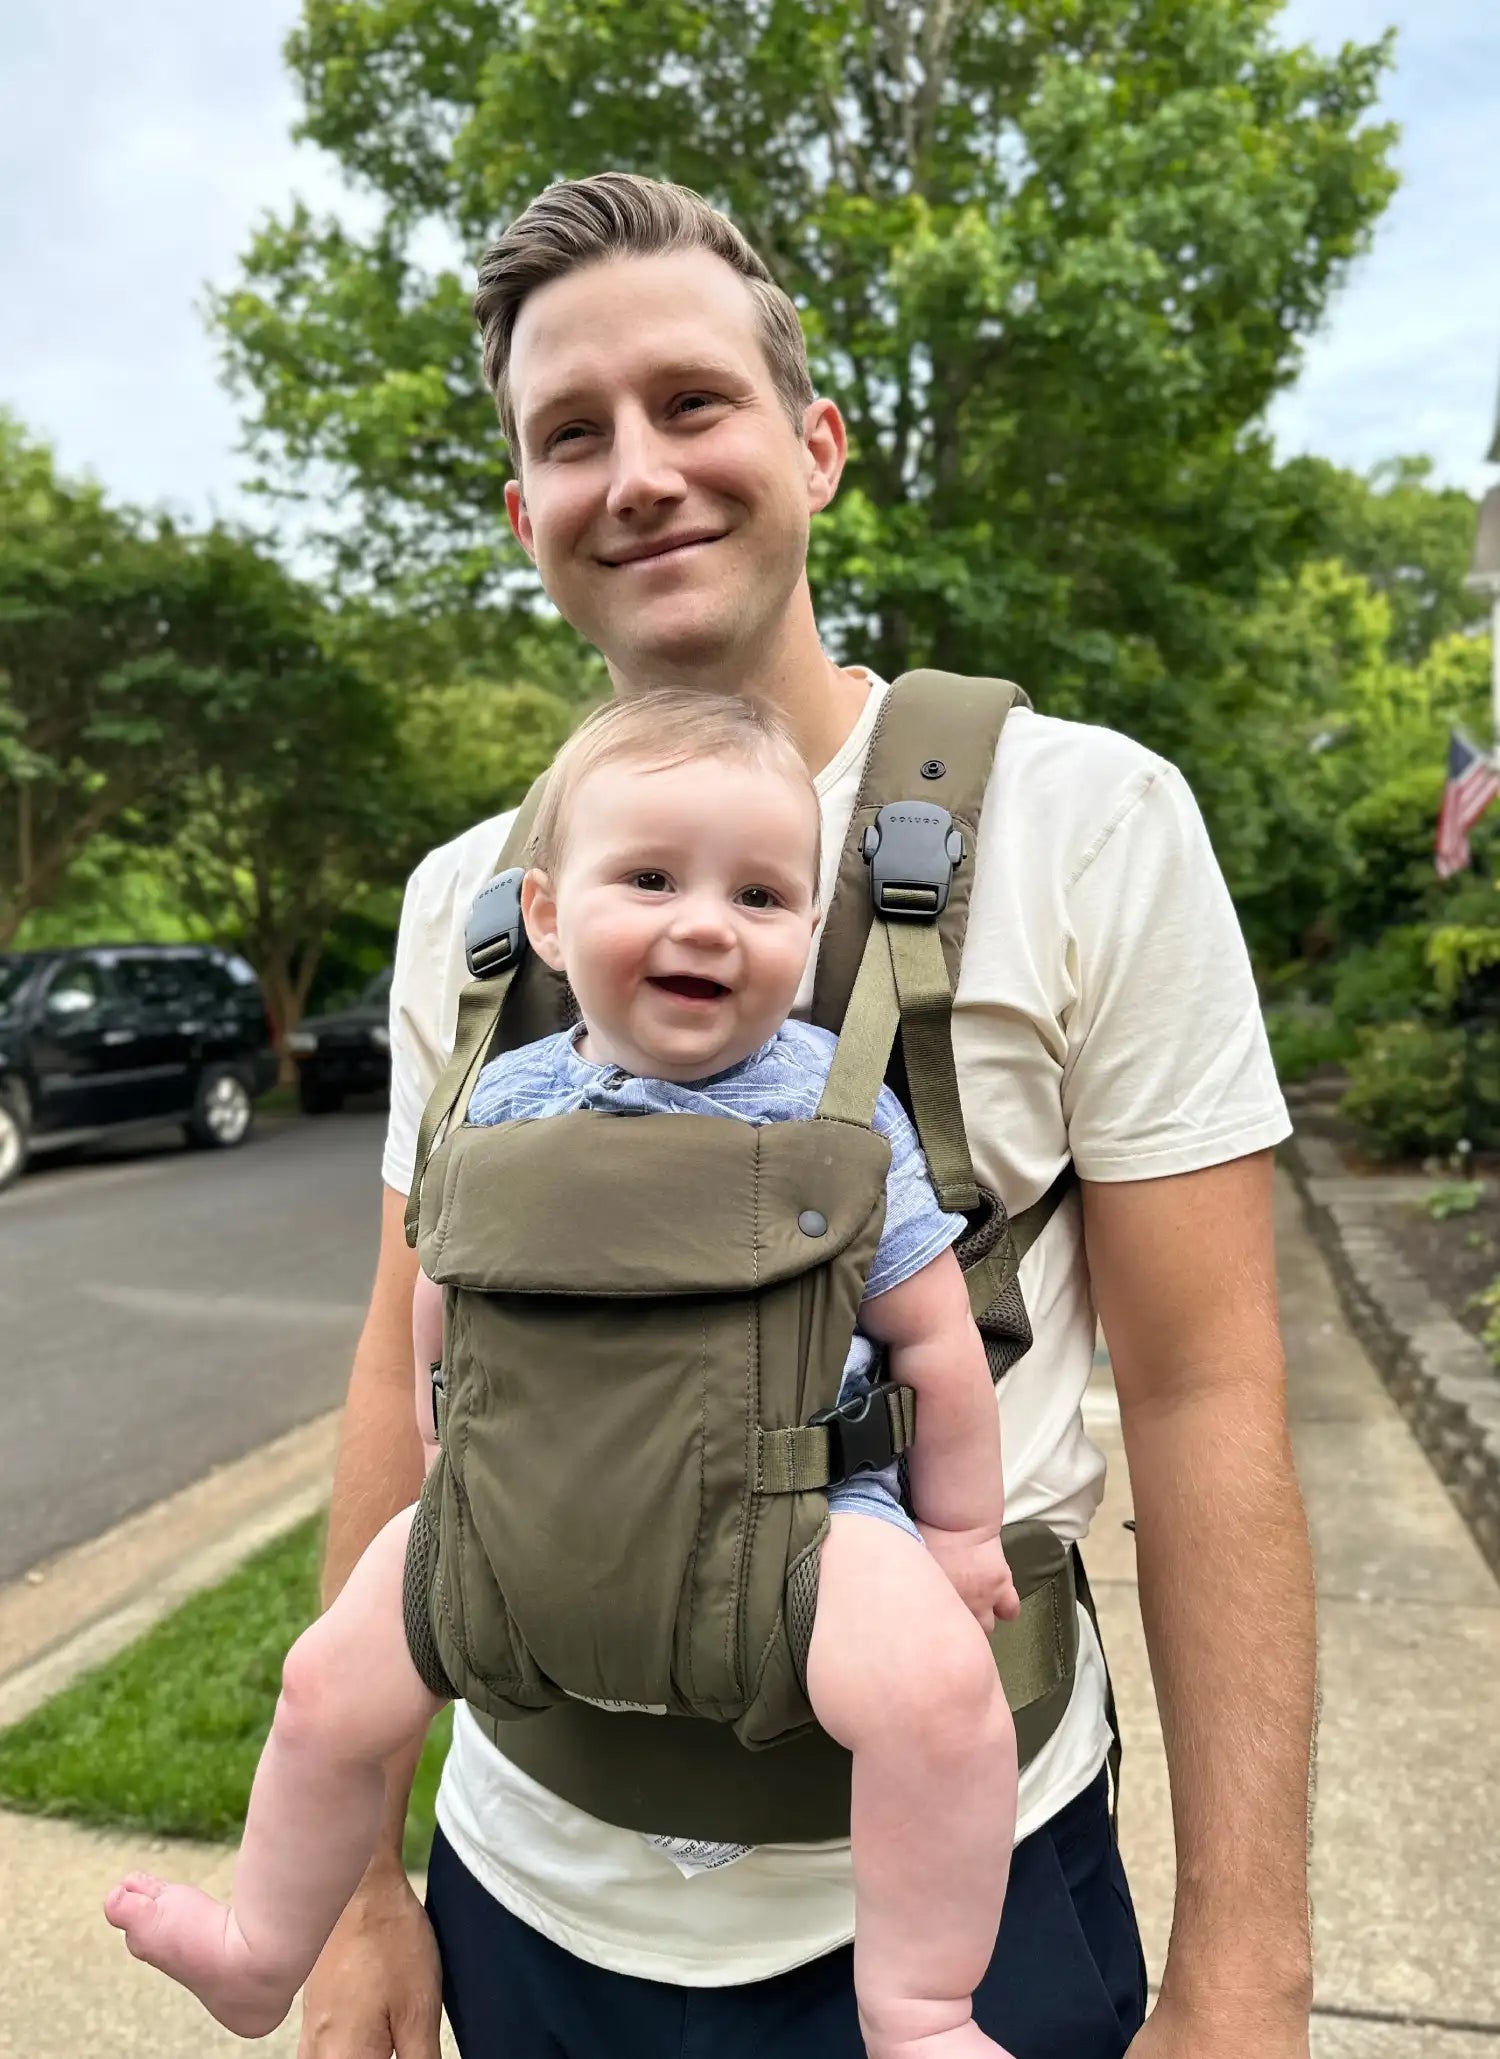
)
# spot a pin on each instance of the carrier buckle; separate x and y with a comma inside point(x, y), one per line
point(860, 1435)
point(494, 936)
point(913, 850)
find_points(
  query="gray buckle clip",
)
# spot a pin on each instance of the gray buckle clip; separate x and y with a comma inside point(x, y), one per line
point(494, 936)
point(913, 851)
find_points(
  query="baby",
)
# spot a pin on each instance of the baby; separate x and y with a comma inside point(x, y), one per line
point(675, 882)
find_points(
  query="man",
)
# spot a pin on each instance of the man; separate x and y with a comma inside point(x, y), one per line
point(670, 454)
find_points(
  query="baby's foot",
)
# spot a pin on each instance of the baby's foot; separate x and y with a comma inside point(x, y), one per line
point(197, 1941)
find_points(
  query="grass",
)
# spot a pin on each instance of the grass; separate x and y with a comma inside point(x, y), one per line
point(165, 1736)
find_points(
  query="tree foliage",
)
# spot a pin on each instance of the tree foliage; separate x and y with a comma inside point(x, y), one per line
point(1054, 258)
point(132, 655)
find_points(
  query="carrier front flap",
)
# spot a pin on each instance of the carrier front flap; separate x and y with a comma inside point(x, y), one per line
point(600, 1204)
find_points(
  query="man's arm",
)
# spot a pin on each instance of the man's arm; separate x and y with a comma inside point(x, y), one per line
point(376, 1989)
point(1183, 1275)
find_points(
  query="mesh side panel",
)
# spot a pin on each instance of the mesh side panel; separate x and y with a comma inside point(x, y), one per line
point(801, 1608)
point(416, 1605)
point(1004, 1325)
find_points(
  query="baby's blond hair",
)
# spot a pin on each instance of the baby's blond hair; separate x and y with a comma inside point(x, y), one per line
point(657, 730)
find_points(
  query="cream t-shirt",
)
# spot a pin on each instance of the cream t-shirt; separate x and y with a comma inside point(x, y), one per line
point(1105, 1010)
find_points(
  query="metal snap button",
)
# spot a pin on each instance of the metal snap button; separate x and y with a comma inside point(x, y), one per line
point(934, 768)
point(812, 1224)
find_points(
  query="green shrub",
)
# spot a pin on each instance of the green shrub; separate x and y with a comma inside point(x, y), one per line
point(1415, 1089)
point(1303, 1038)
point(1387, 981)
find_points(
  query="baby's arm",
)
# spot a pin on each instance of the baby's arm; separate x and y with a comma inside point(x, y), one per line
point(427, 1349)
point(957, 1487)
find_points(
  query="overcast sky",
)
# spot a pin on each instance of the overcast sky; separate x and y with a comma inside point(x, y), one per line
point(141, 139)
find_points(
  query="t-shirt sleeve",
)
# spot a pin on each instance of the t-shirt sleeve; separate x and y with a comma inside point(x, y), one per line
point(916, 1229)
point(1168, 1068)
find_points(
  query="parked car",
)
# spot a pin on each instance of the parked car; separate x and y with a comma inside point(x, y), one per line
point(111, 1037)
point(347, 1051)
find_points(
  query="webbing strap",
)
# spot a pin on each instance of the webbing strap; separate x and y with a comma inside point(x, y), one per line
point(863, 1051)
point(903, 981)
point(793, 1460)
point(925, 997)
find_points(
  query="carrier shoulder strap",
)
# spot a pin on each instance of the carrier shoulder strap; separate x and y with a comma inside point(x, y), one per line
point(503, 972)
point(887, 962)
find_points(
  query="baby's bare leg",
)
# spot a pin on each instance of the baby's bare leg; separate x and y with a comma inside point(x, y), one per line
point(901, 1674)
point(350, 1697)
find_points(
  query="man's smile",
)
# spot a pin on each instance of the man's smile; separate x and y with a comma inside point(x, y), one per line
point(660, 547)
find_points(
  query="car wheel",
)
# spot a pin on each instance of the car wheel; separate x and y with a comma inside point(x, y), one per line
point(316, 1096)
point(222, 1110)
point(15, 1134)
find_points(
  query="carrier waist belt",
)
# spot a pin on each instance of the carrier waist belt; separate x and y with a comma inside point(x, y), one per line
point(682, 1777)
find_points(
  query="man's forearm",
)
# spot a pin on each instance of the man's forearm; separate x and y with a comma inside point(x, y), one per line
point(1226, 1591)
point(379, 1465)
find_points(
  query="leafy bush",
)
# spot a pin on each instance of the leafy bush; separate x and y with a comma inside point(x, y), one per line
point(1416, 1088)
point(1388, 981)
point(1304, 1038)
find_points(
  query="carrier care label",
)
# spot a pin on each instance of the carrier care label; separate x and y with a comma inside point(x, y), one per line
point(620, 1708)
point(692, 1855)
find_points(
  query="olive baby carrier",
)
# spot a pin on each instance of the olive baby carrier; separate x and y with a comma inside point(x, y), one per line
point(646, 1322)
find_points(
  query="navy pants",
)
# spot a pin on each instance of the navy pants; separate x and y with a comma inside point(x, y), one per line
point(1067, 1980)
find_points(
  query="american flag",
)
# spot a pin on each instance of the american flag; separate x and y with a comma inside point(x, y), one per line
point(1472, 784)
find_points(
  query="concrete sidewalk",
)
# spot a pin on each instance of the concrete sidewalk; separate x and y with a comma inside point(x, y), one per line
point(1406, 1878)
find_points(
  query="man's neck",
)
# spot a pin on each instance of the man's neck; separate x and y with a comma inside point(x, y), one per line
point(792, 674)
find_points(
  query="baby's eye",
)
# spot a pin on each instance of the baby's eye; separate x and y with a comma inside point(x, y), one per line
point(650, 882)
point(758, 897)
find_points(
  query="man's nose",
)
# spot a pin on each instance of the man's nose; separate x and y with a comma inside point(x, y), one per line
point(644, 476)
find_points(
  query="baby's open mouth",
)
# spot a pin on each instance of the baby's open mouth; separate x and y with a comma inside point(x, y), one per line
point(689, 988)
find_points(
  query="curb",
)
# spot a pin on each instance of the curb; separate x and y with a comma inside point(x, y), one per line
point(77, 1610)
point(1439, 1376)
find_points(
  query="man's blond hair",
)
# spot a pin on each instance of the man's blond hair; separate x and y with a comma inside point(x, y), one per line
point(656, 731)
point(582, 222)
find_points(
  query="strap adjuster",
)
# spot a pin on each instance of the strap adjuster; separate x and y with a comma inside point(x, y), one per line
point(861, 1433)
point(494, 935)
point(913, 850)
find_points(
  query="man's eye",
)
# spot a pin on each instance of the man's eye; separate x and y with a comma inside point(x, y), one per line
point(650, 882)
point(696, 402)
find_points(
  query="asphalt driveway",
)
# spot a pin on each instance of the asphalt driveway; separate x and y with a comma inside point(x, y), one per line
point(164, 1310)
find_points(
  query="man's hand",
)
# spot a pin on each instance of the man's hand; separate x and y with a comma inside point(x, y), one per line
point(377, 1990)
point(1267, 2028)
point(976, 1565)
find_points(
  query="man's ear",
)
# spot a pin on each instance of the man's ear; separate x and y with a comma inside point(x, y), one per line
point(826, 442)
point(539, 913)
point(520, 521)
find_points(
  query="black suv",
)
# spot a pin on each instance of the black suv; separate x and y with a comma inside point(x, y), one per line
point(106, 1037)
point(344, 1052)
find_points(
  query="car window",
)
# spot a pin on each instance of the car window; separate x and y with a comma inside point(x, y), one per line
point(379, 988)
point(14, 976)
point(153, 982)
point(76, 991)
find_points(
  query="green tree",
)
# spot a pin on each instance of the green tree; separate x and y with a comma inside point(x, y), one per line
point(1054, 260)
point(131, 653)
